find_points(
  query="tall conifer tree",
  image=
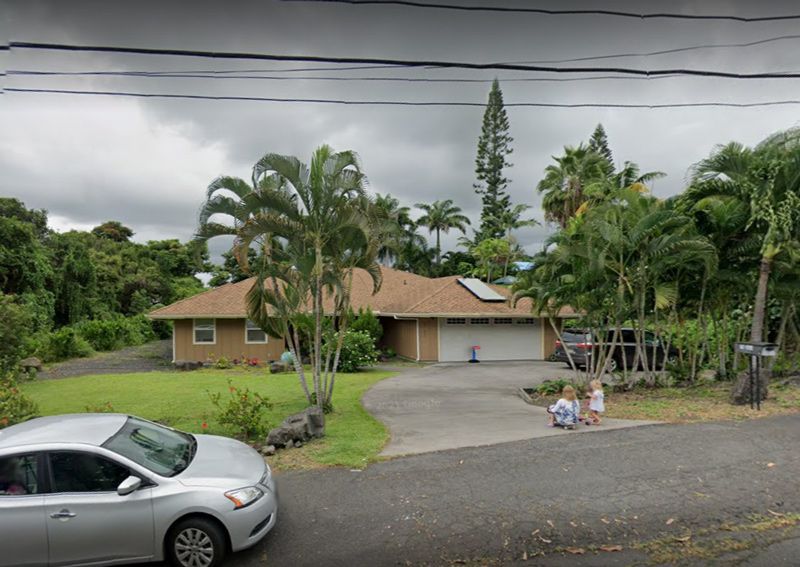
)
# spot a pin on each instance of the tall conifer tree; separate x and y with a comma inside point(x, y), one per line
point(494, 147)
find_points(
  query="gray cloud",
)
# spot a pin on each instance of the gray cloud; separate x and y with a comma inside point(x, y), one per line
point(146, 162)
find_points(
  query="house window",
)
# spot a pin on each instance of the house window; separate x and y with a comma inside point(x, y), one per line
point(526, 321)
point(254, 335)
point(502, 321)
point(456, 321)
point(205, 331)
point(479, 321)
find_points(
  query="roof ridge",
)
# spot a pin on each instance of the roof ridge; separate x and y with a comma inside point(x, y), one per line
point(196, 295)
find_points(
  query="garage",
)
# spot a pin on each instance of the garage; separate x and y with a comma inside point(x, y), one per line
point(499, 338)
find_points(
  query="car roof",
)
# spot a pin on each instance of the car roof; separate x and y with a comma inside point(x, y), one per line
point(83, 428)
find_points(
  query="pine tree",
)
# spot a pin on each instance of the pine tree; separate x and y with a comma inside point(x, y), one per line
point(494, 147)
point(598, 143)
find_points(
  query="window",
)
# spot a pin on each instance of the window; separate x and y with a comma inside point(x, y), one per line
point(84, 472)
point(19, 475)
point(479, 321)
point(205, 331)
point(253, 335)
point(160, 449)
point(526, 321)
point(502, 321)
point(456, 321)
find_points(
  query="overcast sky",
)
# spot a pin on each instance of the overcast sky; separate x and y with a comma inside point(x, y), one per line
point(146, 162)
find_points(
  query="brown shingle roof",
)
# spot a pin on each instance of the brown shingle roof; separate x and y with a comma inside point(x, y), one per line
point(402, 293)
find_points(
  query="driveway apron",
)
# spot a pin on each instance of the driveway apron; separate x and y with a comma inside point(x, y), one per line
point(448, 406)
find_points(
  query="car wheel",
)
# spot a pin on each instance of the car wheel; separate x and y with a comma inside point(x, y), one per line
point(196, 542)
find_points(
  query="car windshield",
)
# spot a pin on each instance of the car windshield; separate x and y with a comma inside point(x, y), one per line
point(159, 449)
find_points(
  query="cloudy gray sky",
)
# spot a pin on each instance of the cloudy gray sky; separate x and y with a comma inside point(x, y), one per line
point(146, 162)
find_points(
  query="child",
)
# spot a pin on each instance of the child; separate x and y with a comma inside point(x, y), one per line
point(565, 411)
point(596, 402)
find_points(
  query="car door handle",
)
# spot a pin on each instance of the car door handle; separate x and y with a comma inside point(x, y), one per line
point(62, 515)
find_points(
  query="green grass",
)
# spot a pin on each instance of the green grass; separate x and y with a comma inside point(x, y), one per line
point(180, 399)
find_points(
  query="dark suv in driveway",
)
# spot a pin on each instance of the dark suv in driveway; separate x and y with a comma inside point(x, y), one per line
point(582, 347)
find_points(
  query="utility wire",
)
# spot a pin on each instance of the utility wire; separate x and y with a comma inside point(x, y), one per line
point(406, 102)
point(396, 62)
point(189, 75)
point(543, 11)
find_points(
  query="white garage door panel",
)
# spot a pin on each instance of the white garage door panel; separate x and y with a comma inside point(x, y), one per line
point(497, 342)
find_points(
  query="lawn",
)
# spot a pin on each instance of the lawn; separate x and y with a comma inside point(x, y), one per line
point(698, 403)
point(181, 399)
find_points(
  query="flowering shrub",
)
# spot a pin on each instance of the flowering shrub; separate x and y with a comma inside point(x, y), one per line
point(242, 410)
point(15, 407)
point(358, 350)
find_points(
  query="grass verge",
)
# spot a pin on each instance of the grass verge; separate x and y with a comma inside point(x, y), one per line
point(181, 399)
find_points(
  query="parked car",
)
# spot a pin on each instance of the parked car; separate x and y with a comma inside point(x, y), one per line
point(101, 489)
point(582, 346)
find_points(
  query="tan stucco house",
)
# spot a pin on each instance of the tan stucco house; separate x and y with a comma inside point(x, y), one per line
point(426, 319)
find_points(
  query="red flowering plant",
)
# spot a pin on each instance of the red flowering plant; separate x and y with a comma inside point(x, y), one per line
point(242, 410)
point(15, 407)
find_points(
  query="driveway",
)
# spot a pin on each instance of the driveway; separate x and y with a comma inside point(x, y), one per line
point(448, 406)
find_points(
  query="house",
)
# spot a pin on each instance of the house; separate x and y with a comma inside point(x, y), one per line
point(426, 319)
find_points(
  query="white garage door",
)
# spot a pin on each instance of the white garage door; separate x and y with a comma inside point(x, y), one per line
point(499, 338)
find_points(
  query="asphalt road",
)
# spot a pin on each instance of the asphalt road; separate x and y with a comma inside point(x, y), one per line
point(530, 499)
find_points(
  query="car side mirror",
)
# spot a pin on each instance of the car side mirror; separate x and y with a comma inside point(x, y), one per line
point(130, 484)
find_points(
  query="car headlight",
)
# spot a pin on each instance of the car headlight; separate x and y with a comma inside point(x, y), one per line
point(243, 497)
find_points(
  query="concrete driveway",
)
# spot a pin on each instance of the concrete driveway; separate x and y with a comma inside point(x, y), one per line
point(448, 406)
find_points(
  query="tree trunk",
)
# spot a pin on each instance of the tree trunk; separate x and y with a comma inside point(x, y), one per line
point(438, 252)
point(741, 390)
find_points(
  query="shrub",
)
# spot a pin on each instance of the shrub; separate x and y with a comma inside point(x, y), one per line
point(66, 343)
point(116, 332)
point(389, 352)
point(553, 387)
point(15, 407)
point(243, 411)
point(358, 350)
point(367, 322)
point(14, 332)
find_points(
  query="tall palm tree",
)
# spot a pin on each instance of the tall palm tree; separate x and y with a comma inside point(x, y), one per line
point(313, 225)
point(567, 183)
point(441, 216)
point(400, 229)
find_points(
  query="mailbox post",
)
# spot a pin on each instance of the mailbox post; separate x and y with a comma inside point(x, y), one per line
point(756, 351)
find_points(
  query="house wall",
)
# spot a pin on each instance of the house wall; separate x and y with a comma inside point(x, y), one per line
point(549, 337)
point(429, 339)
point(401, 335)
point(229, 343)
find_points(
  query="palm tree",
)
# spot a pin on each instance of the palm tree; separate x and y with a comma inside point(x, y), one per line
point(441, 216)
point(313, 225)
point(511, 219)
point(566, 184)
point(400, 228)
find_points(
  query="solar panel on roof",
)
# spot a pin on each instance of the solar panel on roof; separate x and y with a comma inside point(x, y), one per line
point(480, 289)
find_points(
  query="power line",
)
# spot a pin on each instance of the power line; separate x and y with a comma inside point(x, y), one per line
point(189, 75)
point(546, 12)
point(407, 102)
point(667, 51)
point(411, 63)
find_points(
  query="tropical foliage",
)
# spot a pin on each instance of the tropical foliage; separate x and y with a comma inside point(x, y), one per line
point(311, 226)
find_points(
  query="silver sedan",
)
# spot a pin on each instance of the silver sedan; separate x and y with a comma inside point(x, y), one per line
point(109, 489)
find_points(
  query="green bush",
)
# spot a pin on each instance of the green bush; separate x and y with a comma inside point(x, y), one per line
point(554, 387)
point(14, 332)
point(243, 410)
point(66, 343)
point(116, 332)
point(15, 407)
point(367, 322)
point(358, 350)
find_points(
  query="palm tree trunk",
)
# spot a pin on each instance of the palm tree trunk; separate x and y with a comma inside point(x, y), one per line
point(438, 251)
point(318, 315)
point(760, 303)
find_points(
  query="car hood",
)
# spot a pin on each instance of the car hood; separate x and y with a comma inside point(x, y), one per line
point(223, 462)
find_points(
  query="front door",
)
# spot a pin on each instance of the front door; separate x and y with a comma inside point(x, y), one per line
point(87, 521)
point(23, 533)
